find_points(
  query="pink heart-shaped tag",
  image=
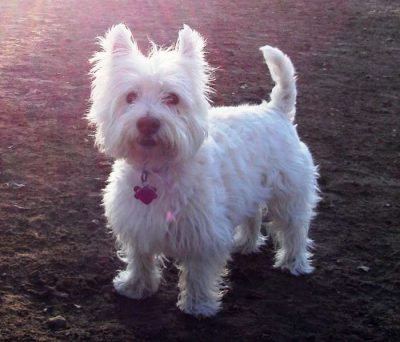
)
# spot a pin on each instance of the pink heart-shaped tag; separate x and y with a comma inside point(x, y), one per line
point(146, 194)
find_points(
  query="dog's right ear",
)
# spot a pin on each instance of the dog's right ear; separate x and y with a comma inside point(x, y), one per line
point(119, 41)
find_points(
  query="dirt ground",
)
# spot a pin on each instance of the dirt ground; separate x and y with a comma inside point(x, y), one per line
point(56, 255)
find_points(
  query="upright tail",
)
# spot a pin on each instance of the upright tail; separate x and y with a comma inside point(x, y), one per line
point(283, 95)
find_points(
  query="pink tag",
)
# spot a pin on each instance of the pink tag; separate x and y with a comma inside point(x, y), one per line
point(170, 217)
point(146, 194)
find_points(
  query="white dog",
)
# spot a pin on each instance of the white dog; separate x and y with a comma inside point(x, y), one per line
point(189, 180)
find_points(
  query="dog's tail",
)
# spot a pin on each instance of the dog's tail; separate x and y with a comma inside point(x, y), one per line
point(283, 95)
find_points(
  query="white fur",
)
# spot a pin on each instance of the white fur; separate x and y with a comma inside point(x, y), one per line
point(213, 168)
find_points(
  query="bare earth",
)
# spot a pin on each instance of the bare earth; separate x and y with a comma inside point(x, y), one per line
point(56, 255)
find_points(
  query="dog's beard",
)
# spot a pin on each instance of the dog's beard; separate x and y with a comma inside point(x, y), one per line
point(153, 155)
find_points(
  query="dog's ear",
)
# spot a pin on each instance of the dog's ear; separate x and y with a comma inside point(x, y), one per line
point(190, 46)
point(190, 43)
point(119, 41)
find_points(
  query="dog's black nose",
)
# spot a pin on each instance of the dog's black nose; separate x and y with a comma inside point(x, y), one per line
point(148, 125)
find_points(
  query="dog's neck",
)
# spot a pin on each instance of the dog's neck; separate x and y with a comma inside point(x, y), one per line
point(164, 168)
point(168, 173)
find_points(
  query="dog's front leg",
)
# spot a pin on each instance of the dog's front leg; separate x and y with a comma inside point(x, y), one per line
point(199, 285)
point(141, 278)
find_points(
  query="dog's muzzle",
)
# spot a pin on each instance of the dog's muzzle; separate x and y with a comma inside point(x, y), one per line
point(147, 126)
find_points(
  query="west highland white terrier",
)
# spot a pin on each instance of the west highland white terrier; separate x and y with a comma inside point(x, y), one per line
point(189, 180)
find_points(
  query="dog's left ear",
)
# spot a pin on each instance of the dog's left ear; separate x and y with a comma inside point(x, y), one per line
point(190, 44)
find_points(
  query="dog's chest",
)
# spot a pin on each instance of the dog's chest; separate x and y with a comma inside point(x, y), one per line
point(174, 223)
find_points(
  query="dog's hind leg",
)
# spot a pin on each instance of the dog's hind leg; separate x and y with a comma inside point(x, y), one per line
point(248, 237)
point(291, 219)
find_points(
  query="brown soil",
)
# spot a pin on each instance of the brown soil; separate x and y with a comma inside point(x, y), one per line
point(56, 256)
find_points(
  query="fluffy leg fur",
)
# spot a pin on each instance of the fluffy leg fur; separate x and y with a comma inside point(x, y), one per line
point(140, 279)
point(248, 237)
point(291, 220)
point(199, 285)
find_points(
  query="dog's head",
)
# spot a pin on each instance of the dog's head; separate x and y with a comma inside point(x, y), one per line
point(149, 109)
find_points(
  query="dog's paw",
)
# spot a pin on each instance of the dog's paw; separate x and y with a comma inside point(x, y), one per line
point(128, 286)
point(296, 266)
point(295, 269)
point(199, 309)
point(248, 246)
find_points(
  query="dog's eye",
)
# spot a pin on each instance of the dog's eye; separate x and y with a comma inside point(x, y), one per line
point(131, 97)
point(171, 99)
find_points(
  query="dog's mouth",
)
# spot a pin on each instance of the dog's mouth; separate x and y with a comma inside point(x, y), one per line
point(147, 141)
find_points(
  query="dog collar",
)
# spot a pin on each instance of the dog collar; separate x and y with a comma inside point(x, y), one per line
point(145, 193)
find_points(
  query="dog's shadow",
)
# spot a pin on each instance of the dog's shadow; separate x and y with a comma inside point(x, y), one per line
point(253, 289)
point(159, 308)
